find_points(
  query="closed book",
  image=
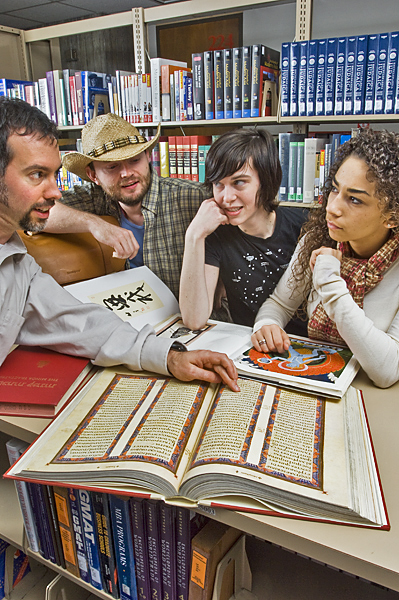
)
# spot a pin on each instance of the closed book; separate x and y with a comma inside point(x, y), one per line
point(15, 448)
point(381, 71)
point(188, 524)
point(285, 80)
point(292, 170)
point(371, 71)
point(340, 77)
point(155, 69)
point(198, 85)
point(44, 97)
point(283, 154)
point(54, 525)
point(189, 97)
point(66, 529)
point(105, 543)
point(172, 156)
point(256, 63)
point(180, 156)
point(302, 80)
point(392, 72)
point(246, 82)
point(74, 100)
point(219, 84)
point(140, 548)
point(78, 530)
point(321, 76)
point(79, 97)
point(329, 85)
point(208, 548)
point(57, 77)
point(209, 85)
point(123, 542)
point(66, 73)
point(237, 83)
point(90, 537)
point(195, 142)
point(360, 75)
point(122, 81)
point(202, 152)
point(311, 148)
point(299, 172)
point(164, 156)
point(37, 382)
point(186, 157)
point(154, 548)
point(350, 62)
point(228, 82)
point(311, 78)
point(294, 74)
point(51, 96)
point(167, 526)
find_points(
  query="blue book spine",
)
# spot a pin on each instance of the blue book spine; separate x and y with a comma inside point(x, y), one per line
point(237, 83)
point(219, 88)
point(154, 548)
point(285, 80)
point(392, 72)
point(209, 85)
point(140, 548)
point(189, 95)
point(228, 82)
point(329, 85)
point(340, 77)
point(381, 72)
point(350, 61)
point(283, 155)
point(90, 538)
point(360, 75)
point(321, 76)
point(302, 86)
point(79, 535)
point(311, 78)
point(371, 70)
point(123, 543)
point(294, 76)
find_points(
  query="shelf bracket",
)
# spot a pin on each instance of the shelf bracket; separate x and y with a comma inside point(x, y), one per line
point(303, 20)
point(139, 40)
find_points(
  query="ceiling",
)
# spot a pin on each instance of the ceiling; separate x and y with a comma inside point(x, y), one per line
point(31, 14)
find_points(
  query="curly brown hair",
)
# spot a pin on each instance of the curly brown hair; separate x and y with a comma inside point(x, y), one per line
point(380, 151)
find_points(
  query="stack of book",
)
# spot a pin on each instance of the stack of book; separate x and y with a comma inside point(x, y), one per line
point(182, 156)
point(352, 75)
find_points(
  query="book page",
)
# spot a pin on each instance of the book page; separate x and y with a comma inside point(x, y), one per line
point(270, 430)
point(126, 421)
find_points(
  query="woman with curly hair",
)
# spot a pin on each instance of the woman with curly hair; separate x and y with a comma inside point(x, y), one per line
point(346, 265)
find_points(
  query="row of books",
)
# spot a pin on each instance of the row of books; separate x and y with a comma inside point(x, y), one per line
point(352, 75)
point(129, 547)
point(20, 568)
point(305, 163)
point(71, 98)
point(182, 156)
point(229, 83)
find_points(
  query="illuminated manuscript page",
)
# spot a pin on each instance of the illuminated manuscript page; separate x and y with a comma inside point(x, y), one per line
point(87, 437)
point(291, 444)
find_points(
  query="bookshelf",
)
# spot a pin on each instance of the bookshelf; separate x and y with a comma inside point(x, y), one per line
point(367, 554)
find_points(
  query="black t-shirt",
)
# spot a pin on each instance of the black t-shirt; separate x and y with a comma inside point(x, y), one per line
point(251, 267)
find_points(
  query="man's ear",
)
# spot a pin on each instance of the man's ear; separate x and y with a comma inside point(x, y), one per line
point(91, 174)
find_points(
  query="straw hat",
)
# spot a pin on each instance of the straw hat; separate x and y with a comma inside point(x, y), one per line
point(107, 138)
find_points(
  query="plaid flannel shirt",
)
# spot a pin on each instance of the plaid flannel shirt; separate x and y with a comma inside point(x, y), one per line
point(168, 208)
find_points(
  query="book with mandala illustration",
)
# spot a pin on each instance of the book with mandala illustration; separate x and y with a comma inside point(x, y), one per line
point(265, 449)
point(310, 365)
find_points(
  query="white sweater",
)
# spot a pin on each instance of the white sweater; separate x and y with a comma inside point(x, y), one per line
point(371, 333)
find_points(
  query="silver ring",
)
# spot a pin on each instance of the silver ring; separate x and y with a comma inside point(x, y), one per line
point(262, 342)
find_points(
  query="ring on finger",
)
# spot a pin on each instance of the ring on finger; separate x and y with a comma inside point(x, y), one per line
point(260, 342)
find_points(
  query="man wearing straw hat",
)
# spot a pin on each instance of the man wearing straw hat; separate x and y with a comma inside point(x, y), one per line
point(34, 309)
point(154, 212)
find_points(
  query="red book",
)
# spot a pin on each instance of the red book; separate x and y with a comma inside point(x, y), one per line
point(36, 382)
point(195, 141)
point(172, 156)
point(180, 156)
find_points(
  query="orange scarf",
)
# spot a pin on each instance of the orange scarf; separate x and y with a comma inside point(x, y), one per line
point(361, 275)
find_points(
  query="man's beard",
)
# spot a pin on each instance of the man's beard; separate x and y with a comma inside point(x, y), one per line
point(116, 194)
point(35, 226)
point(3, 193)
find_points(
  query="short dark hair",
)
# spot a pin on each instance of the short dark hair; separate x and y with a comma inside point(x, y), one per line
point(17, 116)
point(234, 149)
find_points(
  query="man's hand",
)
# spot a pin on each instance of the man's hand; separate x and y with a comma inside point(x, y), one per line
point(122, 240)
point(204, 365)
point(323, 250)
point(270, 338)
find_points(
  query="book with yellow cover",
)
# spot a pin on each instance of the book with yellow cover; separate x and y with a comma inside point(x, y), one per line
point(264, 449)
